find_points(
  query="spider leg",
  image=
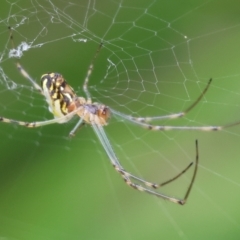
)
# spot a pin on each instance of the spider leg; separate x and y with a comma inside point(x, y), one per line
point(21, 69)
point(79, 124)
point(40, 123)
point(89, 72)
point(168, 128)
point(174, 178)
point(149, 184)
point(170, 116)
point(27, 76)
point(128, 176)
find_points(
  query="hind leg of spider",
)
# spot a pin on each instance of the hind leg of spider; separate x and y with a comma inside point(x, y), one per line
point(21, 69)
point(129, 178)
point(155, 186)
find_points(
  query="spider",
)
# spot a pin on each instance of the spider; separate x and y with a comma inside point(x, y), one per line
point(64, 104)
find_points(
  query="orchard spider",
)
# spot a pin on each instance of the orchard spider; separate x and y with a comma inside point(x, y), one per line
point(64, 104)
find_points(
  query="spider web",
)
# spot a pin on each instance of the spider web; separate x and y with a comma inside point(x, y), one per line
point(157, 57)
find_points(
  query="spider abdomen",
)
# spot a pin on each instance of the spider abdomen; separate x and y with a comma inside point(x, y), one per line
point(59, 95)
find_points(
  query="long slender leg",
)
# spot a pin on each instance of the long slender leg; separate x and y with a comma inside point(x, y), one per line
point(168, 128)
point(194, 175)
point(39, 123)
point(89, 72)
point(127, 176)
point(174, 178)
point(149, 184)
point(21, 69)
point(170, 116)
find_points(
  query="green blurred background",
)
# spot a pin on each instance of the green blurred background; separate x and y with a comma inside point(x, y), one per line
point(157, 58)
